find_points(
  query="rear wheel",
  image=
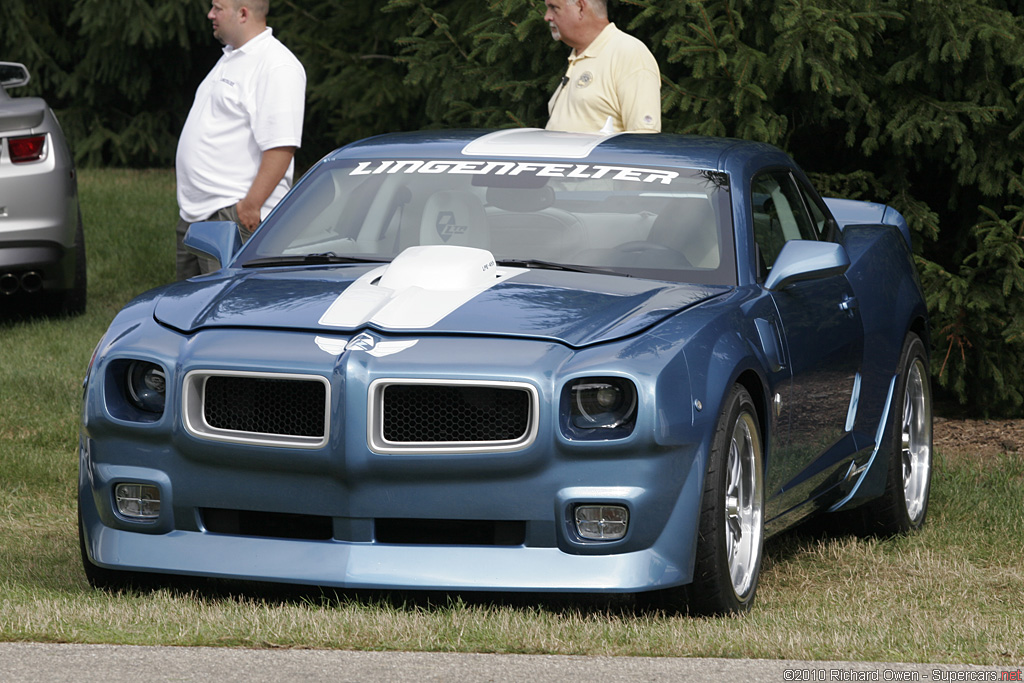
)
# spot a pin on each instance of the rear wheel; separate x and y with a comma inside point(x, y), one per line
point(728, 562)
point(73, 301)
point(903, 505)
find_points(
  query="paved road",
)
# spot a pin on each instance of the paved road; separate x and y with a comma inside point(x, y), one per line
point(32, 662)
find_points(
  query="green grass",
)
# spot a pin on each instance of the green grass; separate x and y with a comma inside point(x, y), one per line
point(953, 593)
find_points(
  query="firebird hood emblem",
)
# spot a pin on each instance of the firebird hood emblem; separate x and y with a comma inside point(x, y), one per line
point(364, 342)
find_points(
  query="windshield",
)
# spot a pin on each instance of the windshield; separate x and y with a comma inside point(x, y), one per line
point(668, 224)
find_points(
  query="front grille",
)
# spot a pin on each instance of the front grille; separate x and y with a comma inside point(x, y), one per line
point(436, 415)
point(258, 408)
point(449, 413)
point(269, 406)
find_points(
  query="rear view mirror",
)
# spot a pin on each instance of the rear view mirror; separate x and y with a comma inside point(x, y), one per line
point(218, 240)
point(806, 260)
point(13, 74)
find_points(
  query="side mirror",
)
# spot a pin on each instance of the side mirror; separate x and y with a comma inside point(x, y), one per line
point(802, 260)
point(218, 240)
point(13, 74)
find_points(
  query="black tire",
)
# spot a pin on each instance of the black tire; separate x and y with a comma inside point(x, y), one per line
point(73, 301)
point(903, 505)
point(728, 562)
point(97, 576)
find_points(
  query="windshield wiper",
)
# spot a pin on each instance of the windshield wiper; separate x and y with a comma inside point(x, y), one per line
point(327, 257)
point(552, 265)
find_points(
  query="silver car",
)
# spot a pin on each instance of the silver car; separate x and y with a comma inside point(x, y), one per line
point(42, 246)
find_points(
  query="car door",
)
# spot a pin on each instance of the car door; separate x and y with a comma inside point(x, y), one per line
point(822, 334)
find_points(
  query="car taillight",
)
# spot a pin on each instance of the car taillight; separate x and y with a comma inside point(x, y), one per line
point(28, 148)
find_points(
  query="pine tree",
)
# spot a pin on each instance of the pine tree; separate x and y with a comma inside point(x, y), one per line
point(915, 103)
point(355, 84)
point(120, 74)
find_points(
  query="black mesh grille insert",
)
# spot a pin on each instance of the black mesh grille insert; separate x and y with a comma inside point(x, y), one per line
point(266, 406)
point(450, 532)
point(451, 414)
point(268, 524)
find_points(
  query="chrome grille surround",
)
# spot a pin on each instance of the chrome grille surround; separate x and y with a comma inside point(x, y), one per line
point(378, 415)
point(194, 409)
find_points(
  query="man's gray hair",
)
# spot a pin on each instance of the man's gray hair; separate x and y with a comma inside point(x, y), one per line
point(600, 6)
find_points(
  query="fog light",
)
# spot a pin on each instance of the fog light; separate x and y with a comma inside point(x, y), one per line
point(137, 501)
point(601, 522)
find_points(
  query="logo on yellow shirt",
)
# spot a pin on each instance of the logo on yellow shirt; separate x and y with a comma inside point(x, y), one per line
point(585, 79)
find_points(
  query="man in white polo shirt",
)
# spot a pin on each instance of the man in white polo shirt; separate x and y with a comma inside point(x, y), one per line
point(612, 83)
point(235, 155)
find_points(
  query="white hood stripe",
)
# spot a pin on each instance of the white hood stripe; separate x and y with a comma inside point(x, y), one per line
point(535, 142)
point(419, 288)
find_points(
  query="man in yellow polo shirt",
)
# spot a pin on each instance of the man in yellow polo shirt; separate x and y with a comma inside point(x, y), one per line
point(612, 83)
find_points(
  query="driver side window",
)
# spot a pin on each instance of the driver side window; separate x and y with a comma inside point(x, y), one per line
point(779, 215)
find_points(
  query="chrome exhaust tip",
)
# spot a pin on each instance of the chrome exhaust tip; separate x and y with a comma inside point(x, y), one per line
point(9, 284)
point(31, 282)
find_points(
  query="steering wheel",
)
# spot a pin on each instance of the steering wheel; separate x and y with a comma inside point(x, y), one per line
point(639, 247)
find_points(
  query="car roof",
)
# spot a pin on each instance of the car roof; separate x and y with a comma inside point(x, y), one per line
point(662, 149)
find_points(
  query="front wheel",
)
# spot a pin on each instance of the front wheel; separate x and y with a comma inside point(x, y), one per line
point(728, 561)
point(100, 577)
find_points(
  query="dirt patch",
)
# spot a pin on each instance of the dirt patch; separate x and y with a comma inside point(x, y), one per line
point(977, 438)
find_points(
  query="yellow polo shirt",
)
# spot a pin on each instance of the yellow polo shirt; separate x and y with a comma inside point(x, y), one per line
point(615, 76)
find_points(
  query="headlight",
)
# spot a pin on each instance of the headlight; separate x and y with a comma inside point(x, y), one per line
point(146, 386)
point(602, 403)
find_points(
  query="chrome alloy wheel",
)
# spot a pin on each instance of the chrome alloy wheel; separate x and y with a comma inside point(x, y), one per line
point(744, 504)
point(916, 440)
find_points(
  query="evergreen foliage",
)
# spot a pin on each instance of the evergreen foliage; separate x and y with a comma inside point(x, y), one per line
point(355, 85)
point(914, 103)
point(120, 74)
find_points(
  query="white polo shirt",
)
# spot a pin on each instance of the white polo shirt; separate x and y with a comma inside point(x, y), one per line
point(252, 100)
point(615, 76)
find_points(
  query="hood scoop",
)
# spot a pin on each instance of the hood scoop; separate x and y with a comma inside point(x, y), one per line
point(417, 289)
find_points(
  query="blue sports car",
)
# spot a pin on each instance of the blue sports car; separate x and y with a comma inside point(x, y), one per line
point(518, 360)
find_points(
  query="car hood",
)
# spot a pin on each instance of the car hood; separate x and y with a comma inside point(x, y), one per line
point(425, 293)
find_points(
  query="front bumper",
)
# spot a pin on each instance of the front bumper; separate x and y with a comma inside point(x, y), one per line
point(656, 473)
point(378, 566)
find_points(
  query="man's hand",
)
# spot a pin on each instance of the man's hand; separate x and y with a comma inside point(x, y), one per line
point(273, 166)
point(248, 214)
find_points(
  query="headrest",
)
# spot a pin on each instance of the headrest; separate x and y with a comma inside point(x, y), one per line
point(521, 199)
point(454, 217)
